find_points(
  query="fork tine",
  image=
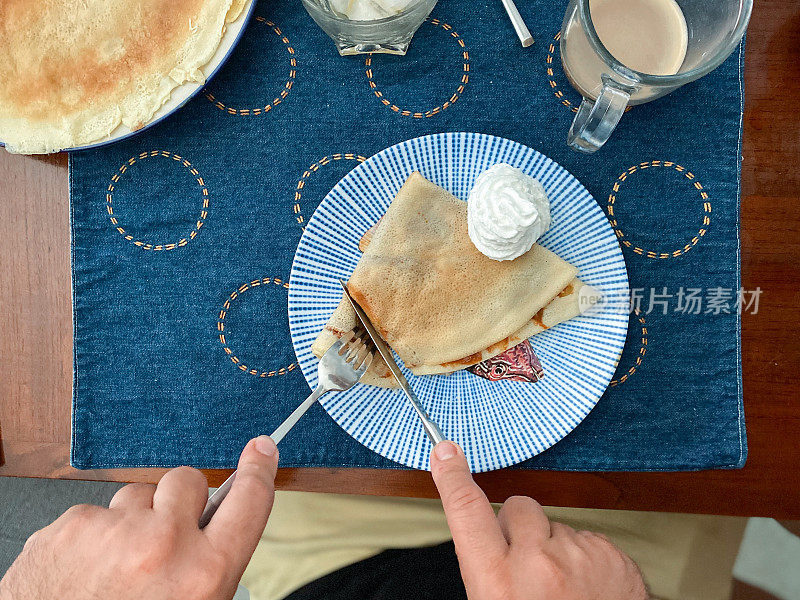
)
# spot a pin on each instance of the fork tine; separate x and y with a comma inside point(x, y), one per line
point(357, 348)
point(340, 368)
point(357, 353)
point(348, 340)
point(365, 358)
point(367, 361)
point(345, 340)
point(353, 349)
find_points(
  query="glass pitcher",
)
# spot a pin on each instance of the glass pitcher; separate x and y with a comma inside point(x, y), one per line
point(713, 30)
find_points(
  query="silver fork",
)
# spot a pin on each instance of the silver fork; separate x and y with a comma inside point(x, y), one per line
point(340, 368)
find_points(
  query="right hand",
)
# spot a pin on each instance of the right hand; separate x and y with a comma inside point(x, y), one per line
point(519, 554)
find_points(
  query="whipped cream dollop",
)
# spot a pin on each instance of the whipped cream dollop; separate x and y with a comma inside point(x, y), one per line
point(368, 10)
point(507, 211)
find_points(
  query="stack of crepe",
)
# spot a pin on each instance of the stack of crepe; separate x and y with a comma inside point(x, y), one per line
point(436, 300)
point(71, 72)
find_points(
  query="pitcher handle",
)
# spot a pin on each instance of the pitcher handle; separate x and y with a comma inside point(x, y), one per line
point(596, 119)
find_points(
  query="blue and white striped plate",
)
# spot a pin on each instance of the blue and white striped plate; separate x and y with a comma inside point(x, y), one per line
point(498, 423)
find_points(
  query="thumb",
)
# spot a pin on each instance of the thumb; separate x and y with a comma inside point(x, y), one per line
point(476, 531)
point(240, 520)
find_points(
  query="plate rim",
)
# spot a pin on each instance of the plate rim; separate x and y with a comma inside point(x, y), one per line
point(492, 139)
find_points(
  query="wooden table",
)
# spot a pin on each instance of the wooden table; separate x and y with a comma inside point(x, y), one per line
point(36, 337)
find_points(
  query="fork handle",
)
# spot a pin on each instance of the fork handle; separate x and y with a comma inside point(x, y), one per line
point(219, 494)
point(298, 412)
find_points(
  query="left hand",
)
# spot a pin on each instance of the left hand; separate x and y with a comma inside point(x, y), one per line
point(147, 543)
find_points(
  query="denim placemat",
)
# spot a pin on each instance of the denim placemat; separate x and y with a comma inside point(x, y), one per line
point(195, 221)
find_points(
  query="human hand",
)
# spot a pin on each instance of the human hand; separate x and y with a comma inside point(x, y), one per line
point(147, 543)
point(519, 554)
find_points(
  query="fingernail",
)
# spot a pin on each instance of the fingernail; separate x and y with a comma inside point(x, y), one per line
point(265, 445)
point(445, 450)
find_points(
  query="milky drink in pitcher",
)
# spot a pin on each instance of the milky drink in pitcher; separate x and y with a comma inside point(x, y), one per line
point(648, 36)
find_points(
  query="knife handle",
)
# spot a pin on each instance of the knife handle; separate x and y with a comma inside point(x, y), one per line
point(433, 431)
point(431, 428)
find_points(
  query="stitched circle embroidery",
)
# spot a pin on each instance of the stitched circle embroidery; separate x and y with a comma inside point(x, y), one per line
point(436, 109)
point(261, 110)
point(550, 74)
point(144, 244)
point(639, 355)
point(557, 92)
point(612, 198)
point(223, 313)
point(298, 193)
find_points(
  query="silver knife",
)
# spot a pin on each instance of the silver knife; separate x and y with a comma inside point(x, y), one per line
point(433, 431)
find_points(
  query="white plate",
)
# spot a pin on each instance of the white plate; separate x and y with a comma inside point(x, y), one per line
point(498, 423)
point(183, 93)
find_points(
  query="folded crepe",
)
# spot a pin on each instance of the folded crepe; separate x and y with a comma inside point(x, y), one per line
point(436, 300)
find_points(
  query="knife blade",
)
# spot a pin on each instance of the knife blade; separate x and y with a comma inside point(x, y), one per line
point(433, 431)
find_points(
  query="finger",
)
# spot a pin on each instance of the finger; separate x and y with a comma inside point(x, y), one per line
point(134, 495)
point(590, 537)
point(476, 531)
point(584, 539)
point(75, 521)
point(523, 521)
point(238, 523)
point(569, 540)
point(598, 540)
point(559, 531)
point(182, 492)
